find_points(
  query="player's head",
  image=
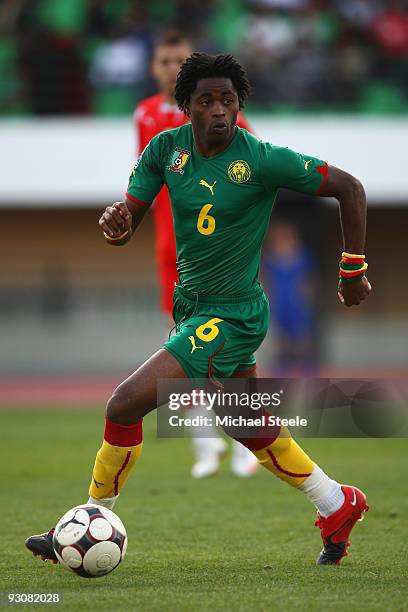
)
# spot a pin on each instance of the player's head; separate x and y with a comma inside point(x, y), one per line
point(211, 89)
point(284, 239)
point(169, 53)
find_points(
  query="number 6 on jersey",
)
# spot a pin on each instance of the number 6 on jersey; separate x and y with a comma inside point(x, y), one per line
point(205, 222)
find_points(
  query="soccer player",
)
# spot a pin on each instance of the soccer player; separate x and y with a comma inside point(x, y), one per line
point(288, 271)
point(153, 115)
point(223, 182)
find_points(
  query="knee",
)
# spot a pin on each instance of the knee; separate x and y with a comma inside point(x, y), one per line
point(122, 409)
point(116, 408)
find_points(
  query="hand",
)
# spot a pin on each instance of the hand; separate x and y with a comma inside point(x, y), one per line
point(354, 292)
point(116, 219)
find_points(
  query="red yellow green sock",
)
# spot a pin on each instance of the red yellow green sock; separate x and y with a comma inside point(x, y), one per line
point(286, 459)
point(118, 454)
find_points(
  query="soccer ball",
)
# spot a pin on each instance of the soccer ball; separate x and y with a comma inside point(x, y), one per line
point(90, 540)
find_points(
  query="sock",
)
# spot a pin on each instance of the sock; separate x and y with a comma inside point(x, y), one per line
point(243, 462)
point(284, 458)
point(201, 431)
point(265, 436)
point(107, 502)
point(209, 448)
point(119, 452)
point(326, 494)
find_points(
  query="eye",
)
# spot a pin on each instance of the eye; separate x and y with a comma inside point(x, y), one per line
point(228, 101)
point(204, 103)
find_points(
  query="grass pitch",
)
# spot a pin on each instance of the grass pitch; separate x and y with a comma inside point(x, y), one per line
point(222, 544)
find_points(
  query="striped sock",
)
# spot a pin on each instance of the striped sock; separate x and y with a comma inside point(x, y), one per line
point(118, 454)
point(286, 459)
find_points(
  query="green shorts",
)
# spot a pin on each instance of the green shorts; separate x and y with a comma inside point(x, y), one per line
point(217, 335)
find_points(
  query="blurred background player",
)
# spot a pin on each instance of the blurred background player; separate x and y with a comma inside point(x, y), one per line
point(289, 275)
point(153, 115)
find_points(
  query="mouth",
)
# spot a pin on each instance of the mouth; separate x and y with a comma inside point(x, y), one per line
point(219, 127)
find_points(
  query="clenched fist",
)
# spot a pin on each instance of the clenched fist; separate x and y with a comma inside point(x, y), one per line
point(352, 293)
point(116, 220)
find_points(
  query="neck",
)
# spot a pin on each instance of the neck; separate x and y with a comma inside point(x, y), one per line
point(206, 149)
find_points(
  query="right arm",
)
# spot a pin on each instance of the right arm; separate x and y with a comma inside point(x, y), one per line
point(120, 220)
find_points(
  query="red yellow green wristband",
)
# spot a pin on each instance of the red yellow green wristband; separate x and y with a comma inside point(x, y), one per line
point(352, 256)
point(352, 267)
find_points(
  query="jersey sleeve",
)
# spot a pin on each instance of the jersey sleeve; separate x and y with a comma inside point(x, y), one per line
point(146, 179)
point(282, 167)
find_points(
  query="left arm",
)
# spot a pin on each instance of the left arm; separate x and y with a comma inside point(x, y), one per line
point(353, 212)
point(282, 167)
point(353, 207)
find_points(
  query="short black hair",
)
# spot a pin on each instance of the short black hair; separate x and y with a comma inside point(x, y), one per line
point(171, 38)
point(203, 66)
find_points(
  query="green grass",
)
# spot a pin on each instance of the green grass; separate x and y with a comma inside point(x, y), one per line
point(221, 544)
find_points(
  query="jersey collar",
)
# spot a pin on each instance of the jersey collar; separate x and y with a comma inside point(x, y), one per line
point(218, 154)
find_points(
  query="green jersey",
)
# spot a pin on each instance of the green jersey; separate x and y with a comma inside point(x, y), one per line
point(221, 205)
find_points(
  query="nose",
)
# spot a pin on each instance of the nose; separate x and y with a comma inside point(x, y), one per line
point(218, 109)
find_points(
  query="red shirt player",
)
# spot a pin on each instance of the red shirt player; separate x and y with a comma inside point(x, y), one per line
point(153, 115)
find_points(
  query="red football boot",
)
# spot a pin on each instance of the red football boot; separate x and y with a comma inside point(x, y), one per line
point(336, 528)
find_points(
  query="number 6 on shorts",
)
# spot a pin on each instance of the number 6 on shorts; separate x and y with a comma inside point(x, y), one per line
point(211, 326)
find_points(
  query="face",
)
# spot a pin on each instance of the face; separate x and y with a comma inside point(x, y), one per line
point(213, 109)
point(284, 239)
point(166, 63)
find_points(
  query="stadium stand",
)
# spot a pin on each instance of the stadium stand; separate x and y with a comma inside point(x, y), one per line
point(74, 57)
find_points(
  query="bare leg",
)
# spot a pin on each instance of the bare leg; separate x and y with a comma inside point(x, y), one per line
point(243, 461)
point(137, 395)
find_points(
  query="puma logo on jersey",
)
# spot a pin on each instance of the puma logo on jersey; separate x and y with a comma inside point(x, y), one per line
point(210, 187)
point(192, 340)
point(309, 161)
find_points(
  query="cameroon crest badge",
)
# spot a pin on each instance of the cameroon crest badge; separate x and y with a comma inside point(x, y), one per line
point(178, 160)
point(239, 171)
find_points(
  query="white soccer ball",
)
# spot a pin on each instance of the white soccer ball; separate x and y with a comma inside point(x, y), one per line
point(90, 540)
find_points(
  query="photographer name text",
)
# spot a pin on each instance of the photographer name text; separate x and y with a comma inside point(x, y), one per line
point(236, 421)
